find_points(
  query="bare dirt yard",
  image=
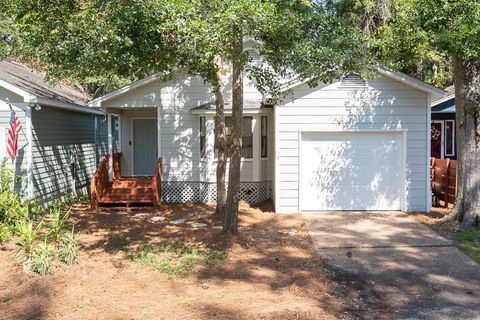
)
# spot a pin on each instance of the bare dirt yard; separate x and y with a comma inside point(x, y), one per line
point(138, 265)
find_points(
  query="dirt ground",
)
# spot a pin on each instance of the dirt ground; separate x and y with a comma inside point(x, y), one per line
point(272, 272)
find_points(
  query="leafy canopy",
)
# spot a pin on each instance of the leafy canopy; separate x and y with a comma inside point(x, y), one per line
point(111, 43)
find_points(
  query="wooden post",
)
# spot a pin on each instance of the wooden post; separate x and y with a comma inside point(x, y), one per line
point(117, 166)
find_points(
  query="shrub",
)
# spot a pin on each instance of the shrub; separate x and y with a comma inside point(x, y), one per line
point(27, 234)
point(11, 207)
point(67, 252)
point(40, 260)
point(57, 223)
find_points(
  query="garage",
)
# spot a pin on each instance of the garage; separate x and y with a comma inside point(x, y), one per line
point(345, 170)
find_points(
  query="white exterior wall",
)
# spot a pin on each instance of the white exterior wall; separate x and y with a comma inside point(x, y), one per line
point(385, 104)
point(179, 128)
point(179, 138)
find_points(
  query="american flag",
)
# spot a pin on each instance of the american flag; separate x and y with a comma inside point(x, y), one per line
point(13, 131)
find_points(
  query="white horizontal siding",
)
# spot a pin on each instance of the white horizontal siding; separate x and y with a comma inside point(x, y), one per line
point(384, 104)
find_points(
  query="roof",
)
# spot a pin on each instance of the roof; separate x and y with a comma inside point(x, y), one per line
point(436, 93)
point(444, 105)
point(34, 88)
point(34, 83)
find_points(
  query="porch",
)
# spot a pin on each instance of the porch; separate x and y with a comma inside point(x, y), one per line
point(124, 191)
point(185, 142)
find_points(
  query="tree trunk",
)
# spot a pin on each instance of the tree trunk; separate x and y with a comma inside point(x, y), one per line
point(467, 102)
point(230, 222)
point(220, 139)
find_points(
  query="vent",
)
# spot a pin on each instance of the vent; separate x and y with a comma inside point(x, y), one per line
point(352, 81)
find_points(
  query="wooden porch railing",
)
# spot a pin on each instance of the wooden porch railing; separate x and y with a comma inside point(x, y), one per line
point(100, 181)
point(443, 174)
point(117, 165)
point(157, 184)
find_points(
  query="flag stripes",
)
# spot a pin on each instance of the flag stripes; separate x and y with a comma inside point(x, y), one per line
point(12, 140)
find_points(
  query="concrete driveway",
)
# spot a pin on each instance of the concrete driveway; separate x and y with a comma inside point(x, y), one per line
point(417, 272)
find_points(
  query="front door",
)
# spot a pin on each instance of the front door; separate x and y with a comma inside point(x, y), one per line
point(144, 146)
point(436, 140)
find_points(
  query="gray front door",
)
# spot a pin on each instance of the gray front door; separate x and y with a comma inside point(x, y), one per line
point(144, 146)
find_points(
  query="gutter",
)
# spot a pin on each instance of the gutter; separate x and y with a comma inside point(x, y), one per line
point(66, 106)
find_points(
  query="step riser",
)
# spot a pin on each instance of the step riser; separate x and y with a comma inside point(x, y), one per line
point(129, 191)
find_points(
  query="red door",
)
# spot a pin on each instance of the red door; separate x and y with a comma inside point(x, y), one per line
point(436, 145)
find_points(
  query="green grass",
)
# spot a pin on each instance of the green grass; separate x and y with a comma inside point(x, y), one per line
point(469, 242)
point(176, 259)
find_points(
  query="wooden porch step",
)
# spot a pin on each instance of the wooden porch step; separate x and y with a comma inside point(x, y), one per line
point(132, 184)
point(122, 198)
point(127, 191)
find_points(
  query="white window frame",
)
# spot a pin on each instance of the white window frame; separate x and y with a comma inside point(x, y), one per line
point(453, 138)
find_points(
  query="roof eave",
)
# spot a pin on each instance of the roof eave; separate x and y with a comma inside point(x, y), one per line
point(66, 106)
point(414, 83)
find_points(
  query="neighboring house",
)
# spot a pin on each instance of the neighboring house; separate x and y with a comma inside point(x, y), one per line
point(61, 139)
point(346, 145)
point(443, 134)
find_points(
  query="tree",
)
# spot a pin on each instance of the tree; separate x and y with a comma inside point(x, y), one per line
point(447, 32)
point(110, 43)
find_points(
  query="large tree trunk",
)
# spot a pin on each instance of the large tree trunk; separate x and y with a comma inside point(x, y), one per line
point(467, 102)
point(230, 222)
point(220, 139)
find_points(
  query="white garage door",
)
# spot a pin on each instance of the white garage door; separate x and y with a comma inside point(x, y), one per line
point(351, 171)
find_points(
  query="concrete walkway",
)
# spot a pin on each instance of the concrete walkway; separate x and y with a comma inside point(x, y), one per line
point(419, 273)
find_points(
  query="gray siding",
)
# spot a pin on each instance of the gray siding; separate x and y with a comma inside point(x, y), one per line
point(59, 135)
point(101, 137)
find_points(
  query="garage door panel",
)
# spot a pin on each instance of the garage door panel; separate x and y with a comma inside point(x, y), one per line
point(350, 171)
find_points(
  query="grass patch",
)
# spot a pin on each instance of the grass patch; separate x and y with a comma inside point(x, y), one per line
point(469, 242)
point(176, 259)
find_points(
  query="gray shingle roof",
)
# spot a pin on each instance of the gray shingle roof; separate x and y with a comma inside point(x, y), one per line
point(34, 83)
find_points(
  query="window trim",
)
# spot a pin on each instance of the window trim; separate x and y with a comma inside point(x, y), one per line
point(453, 138)
point(202, 138)
point(262, 136)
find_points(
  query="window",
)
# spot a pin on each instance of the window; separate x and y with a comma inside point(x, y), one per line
point(203, 135)
point(264, 137)
point(247, 138)
point(449, 137)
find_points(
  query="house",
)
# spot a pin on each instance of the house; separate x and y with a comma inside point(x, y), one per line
point(443, 144)
point(346, 145)
point(61, 140)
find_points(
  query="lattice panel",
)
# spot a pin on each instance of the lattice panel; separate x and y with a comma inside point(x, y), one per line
point(206, 192)
point(180, 191)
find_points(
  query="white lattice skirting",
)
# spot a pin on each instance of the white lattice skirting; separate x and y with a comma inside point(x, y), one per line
point(206, 192)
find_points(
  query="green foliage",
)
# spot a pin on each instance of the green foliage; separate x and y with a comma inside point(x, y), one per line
point(110, 43)
point(174, 258)
point(40, 259)
point(27, 234)
point(67, 252)
point(11, 206)
point(469, 242)
point(57, 223)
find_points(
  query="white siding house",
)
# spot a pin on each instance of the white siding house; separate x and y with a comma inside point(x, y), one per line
point(348, 145)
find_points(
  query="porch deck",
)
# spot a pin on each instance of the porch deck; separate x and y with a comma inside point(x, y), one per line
point(124, 191)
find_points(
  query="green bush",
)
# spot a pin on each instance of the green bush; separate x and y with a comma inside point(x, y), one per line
point(27, 234)
point(40, 260)
point(57, 223)
point(67, 252)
